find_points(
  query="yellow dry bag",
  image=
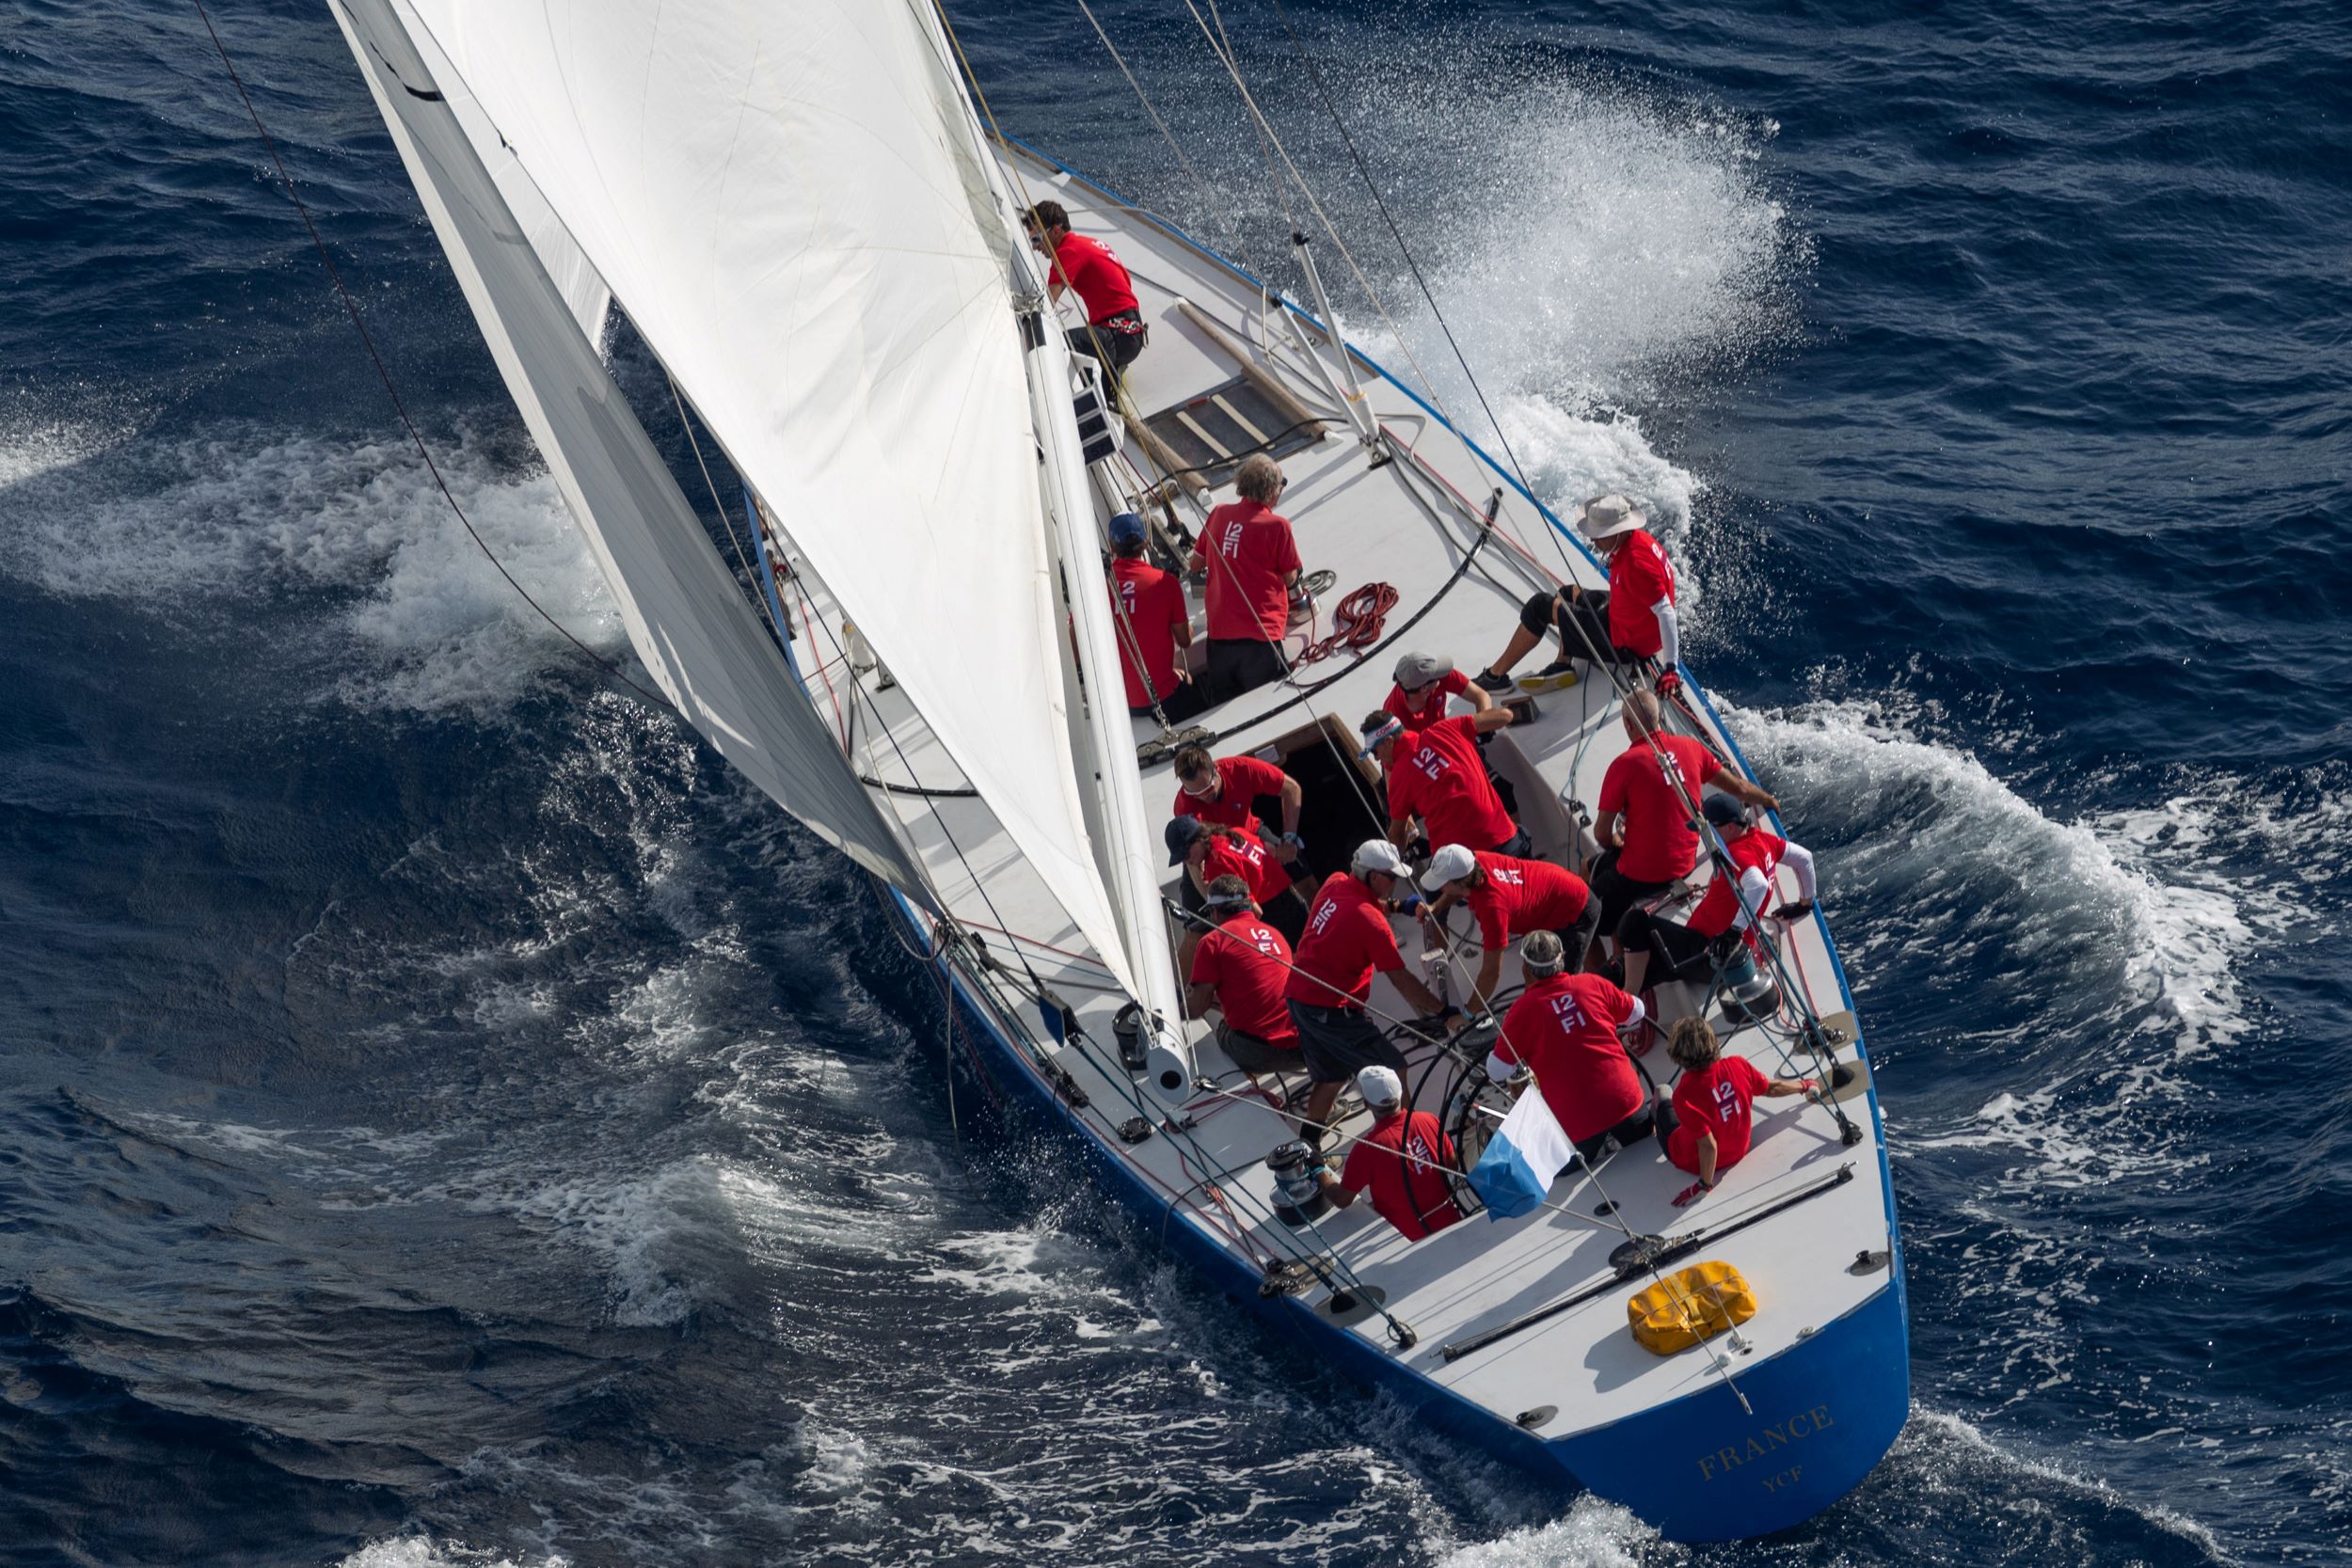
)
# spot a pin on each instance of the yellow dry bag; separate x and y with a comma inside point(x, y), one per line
point(1689, 1306)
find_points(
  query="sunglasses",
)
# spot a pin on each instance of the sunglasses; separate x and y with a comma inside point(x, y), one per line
point(1205, 784)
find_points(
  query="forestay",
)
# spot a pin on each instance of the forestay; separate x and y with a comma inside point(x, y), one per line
point(790, 204)
point(689, 620)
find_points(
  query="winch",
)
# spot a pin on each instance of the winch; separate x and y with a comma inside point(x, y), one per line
point(1134, 1042)
point(1298, 1195)
point(1750, 995)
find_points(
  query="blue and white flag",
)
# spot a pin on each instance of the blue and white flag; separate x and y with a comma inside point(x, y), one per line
point(1527, 1151)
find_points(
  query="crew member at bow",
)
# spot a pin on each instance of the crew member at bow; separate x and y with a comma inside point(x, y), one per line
point(1114, 333)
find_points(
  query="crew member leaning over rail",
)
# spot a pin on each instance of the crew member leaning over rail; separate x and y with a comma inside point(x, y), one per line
point(1730, 910)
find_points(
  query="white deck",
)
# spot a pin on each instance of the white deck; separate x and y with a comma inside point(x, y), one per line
point(1407, 523)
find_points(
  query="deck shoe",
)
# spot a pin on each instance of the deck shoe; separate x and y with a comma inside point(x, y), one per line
point(1555, 676)
point(1488, 681)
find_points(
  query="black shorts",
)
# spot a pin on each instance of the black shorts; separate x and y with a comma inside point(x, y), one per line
point(1617, 894)
point(1188, 701)
point(1582, 621)
point(1686, 955)
point(1237, 665)
point(1117, 350)
point(1655, 1118)
point(1252, 1055)
point(1339, 1042)
point(1577, 938)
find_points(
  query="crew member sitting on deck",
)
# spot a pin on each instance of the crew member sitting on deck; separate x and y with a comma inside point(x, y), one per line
point(1152, 622)
point(1240, 968)
point(1724, 915)
point(1424, 682)
point(1511, 897)
point(1629, 621)
point(1644, 823)
point(1436, 774)
point(1222, 790)
point(1402, 1161)
point(1348, 940)
point(1210, 850)
point(1253, 564)
point(1713, 1102)
point(1114, 333)
point(1563, 1029)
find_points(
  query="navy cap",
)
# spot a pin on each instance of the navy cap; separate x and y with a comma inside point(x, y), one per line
point(1181, 831)
point(1725, 812)
point(1126, 528)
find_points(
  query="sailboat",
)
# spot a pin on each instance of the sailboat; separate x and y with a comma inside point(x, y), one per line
point(901, 632)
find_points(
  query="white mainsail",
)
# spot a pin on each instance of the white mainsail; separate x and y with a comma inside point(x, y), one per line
point(687, 617)
point(787, 200)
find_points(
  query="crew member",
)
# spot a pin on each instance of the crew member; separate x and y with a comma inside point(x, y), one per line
point(1436, 774)
point(1631, 620)
point(1730, 908)
point(1401, 1163)
point(1240, 968)
point(1424, 682)
point(1712, 1104)
point(1152, 622)
point(1511, 897)
point(1114, 333)
point(1253, 564)
point(1644, 822)
point(1210, 850)
point(1348, 940)
point(1564, 1028)
point(1225, 790)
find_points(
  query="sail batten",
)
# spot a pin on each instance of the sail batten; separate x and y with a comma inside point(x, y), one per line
point(789, 203)
point(699, 638)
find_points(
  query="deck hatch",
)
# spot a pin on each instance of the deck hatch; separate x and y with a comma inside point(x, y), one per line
point(1212, 433)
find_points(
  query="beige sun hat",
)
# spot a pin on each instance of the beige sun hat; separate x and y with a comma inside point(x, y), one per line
point(1606, 516)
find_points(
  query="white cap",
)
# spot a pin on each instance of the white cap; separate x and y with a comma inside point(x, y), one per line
point(1449, 864)
point(1378, 854)
point(1606, 516)
point(1380, 1086)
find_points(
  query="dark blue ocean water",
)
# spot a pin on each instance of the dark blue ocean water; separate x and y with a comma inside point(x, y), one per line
point(445, 1118)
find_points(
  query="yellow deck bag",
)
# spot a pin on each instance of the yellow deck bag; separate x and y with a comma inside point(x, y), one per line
point(1689, 1306)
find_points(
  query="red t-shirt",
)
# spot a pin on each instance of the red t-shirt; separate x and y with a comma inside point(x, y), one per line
point(1241, 781)
point(1249, 859)
point(1249, 550)
point(1376, 1163)
point(1721, 907)
point(1438, 776)
point(1718, 1100)
point(1639, 576)
point(1660, 842)
point(1523, 896)
point(1089, 266)
point(1148, 605)
point(1248, 962)
point(1347, 941)
point(1432, 698)
point(1566, 1029)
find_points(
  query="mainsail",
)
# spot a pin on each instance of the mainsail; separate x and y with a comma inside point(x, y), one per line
point(789, 203)
point(687, 617)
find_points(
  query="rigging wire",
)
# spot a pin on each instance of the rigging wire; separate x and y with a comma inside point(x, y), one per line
point(351, 307)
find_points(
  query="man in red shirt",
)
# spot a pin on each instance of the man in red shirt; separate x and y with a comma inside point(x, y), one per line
point(1644, 826)
point(1208, 851)
point(1152, 622)
point(1114, 332)
point(1424, 682)
point(1735, 900)
point(1223, 789)
point(1563, 1029)
point(1253, 564)
point(1401, 1163)
point(1712, 1105)
point(1348, 940)
point(1511, 897)
point(1630, 622)
point(1436, 774)
point(1240, 968)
